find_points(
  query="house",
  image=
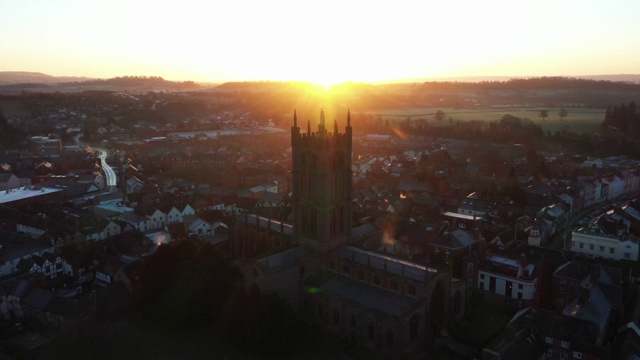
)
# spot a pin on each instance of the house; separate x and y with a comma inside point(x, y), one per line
point(608, 237)
point(14, 247)
point(134, 185)
point(56, 311)
point(11, 292)
point(101, 229)
point(156, 219)
point(585, 318)
point(506, 280)
point(9, 181)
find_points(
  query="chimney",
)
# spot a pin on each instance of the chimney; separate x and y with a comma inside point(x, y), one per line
point(523, 260)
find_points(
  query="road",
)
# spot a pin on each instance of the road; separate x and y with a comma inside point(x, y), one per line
point(108, 171)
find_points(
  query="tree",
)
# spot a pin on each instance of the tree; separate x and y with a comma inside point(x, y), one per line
point(439, 116)
point(543, 114)
point(563, 114)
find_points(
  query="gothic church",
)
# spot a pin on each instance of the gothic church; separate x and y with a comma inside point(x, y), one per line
point(332, 272)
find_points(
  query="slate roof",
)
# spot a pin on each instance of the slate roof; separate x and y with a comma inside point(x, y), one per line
point(357, 292)
point(285, 257)
point(399, 267)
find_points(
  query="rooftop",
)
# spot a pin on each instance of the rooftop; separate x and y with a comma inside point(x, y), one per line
point(358, 292)
point(24, 192)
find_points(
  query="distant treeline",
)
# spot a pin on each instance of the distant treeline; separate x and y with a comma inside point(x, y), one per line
point(556, 82)
point(623, 117)
point(132, 81)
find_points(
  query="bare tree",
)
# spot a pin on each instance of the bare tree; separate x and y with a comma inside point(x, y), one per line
point(563, 114)
point(543, 114)
point(439, 116)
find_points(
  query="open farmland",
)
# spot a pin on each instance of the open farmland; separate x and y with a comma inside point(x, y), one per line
point(579, 120)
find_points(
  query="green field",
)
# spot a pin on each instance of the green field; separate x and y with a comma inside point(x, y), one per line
point(579, 120)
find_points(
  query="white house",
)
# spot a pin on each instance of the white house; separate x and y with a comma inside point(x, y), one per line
point(103, 231)
point(512, 279)
point(174, 216)
point(188, 210)
point(595, 242)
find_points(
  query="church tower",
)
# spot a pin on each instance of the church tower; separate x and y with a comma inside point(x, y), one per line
point(322, 185)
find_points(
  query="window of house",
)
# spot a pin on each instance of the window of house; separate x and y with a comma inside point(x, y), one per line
point(519, 296)
point(611, 250)
point(562, 290)
point(577, 354)
point(481, 276)
point(393, 285)
point(345, 270)
point(564, 356)
point(492, 284)
point(627, 255)
point(413, 327)
point(548, 340)
point(602, 248)
point(565, 344)
point(581, 245)
point(591, 246)
point(549, 353)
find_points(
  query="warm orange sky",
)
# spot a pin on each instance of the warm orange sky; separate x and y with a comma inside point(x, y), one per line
point(322, 41)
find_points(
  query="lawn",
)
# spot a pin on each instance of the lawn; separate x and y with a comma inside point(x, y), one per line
point(483, 322)
point(579, 119)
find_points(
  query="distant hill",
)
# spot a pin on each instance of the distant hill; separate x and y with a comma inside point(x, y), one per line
point(633, 78)
point(25, 77)
point(16, 82)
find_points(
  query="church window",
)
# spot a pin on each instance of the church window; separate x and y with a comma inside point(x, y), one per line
point(345, 270)
point(393, 285)
point(376, 280)
point(413, 326)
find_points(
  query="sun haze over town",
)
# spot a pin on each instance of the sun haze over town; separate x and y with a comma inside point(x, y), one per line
point(319, 180)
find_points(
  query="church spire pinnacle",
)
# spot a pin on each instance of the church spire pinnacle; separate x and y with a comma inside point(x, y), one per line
point(348, 117)
point(295, 118)
point(308, 127)
point(335, 127)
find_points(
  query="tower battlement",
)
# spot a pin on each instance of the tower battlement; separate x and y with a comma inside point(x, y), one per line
point(322, 184)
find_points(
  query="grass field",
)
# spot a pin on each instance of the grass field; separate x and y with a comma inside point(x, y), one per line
point(579, 120)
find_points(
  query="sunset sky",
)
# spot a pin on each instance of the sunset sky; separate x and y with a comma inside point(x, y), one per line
point(322, 41)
